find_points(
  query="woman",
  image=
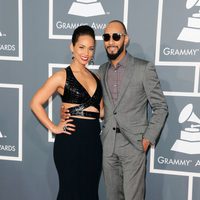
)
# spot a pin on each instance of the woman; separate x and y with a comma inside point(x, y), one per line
point(77, 154)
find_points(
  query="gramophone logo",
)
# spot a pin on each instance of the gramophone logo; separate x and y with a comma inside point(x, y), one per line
point(2, 34)
point(2, 135)
point(191, 33)
point(86, 8)
point(189, 142)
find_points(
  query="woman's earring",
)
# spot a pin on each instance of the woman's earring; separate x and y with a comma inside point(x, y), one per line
point(92, 61)
point(72, 55)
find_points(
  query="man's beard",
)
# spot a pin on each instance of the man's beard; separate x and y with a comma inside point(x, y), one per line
point(114, 56)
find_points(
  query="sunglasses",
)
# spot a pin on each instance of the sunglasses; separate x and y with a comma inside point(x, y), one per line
point(115, 36)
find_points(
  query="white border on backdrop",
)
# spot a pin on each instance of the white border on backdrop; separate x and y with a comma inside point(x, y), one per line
point(52, 36)
point(20, 36)
point(190, 175)
point(158, 43)
point(20, 121)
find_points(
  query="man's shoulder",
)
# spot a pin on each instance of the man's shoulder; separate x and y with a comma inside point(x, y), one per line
point(102, 66)
point(140, 63)
point(137, 60)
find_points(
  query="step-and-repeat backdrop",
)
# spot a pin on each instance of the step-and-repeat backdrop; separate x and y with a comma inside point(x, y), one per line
point(34, 43)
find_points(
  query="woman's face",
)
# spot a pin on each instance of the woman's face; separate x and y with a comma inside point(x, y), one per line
point(83, 50)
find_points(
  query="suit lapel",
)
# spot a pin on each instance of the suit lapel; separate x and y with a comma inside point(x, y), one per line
point(105, 80)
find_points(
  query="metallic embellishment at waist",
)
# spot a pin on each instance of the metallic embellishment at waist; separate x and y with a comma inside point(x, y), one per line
point(84, 113)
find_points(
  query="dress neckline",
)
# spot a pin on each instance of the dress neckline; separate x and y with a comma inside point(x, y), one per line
point(82, 85)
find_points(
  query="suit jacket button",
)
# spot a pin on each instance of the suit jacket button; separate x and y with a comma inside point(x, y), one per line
point(115, 113)
point(114, 128)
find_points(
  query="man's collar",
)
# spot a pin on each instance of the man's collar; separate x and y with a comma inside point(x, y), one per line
point(122, 62)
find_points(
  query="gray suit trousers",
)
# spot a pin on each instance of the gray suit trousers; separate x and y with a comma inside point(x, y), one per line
point(124, 171)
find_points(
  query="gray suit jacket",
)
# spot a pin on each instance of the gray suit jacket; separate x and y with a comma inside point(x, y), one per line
point(140, 86)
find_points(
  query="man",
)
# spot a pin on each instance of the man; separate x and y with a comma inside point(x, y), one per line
point(129, 84)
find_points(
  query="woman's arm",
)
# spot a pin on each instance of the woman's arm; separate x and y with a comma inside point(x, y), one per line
point(54, 84)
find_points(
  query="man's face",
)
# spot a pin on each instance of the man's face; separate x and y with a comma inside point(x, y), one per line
point(114, 40)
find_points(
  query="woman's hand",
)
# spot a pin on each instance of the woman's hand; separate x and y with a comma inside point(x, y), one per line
point(64, 113)
point(64, 127)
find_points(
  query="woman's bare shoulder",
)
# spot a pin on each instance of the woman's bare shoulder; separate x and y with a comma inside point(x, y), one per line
point(59, 75)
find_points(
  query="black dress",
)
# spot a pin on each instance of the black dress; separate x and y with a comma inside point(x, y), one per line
point(78, 157)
